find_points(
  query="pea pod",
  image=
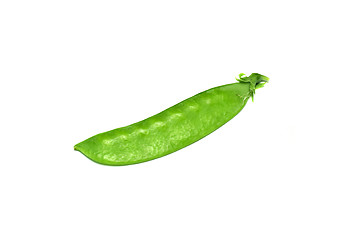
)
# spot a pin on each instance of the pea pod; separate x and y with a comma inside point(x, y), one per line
point(173, 128)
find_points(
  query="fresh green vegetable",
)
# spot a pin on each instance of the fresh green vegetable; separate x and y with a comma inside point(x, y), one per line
point(174, 128)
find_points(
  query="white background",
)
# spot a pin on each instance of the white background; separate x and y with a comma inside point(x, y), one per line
point(72, 69)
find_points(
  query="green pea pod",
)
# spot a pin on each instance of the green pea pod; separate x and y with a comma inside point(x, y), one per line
point(173, 128)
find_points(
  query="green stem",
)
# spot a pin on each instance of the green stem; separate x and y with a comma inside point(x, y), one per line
point(256, 81)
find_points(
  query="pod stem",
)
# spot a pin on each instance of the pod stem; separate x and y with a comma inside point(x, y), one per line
point(256, 81)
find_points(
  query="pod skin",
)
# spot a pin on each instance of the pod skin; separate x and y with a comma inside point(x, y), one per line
point(173, 128)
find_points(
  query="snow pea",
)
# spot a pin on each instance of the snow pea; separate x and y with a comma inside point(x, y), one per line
point(173, 128)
